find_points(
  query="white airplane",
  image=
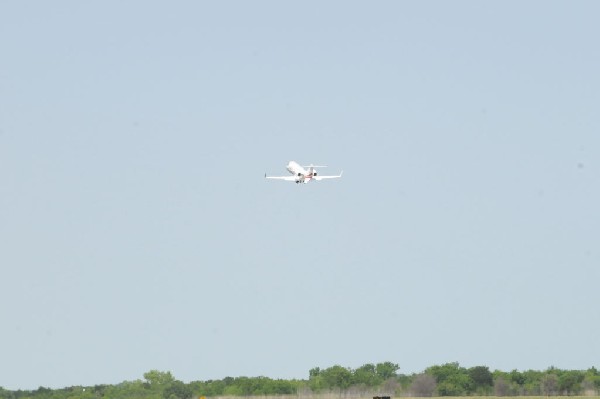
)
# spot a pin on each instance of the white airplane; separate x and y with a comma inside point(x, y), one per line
point(301, 175)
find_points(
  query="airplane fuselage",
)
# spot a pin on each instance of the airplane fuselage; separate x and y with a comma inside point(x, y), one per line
point(302, 174)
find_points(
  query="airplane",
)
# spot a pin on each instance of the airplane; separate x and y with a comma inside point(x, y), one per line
point(301, 175)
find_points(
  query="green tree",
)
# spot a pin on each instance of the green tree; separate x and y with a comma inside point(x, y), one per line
point(233, 390)
point(314, 372)
point(482, 378)
point(315, 380)
point(209, 388)
point(283, 387)
point(569, 382)
point(337, 377)
point(517, 377)
point(532, 381)
point(177, 390)
point(451, 379)
point(386, 370)
point(366, 375)
point(592, 375)
point(591, 381)
point(456, 385)
point(131, 390)
point(159, 378)
point(444, 371)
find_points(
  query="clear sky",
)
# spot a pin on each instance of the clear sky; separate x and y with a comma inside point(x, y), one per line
point(137, 231)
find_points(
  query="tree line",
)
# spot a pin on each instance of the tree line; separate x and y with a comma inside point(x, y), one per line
point(381, 379)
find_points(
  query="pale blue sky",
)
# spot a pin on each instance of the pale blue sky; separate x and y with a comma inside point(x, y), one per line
point(137, 231)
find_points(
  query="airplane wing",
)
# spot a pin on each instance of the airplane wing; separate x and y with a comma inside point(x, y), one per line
point(319, 177)
point(286, 178)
